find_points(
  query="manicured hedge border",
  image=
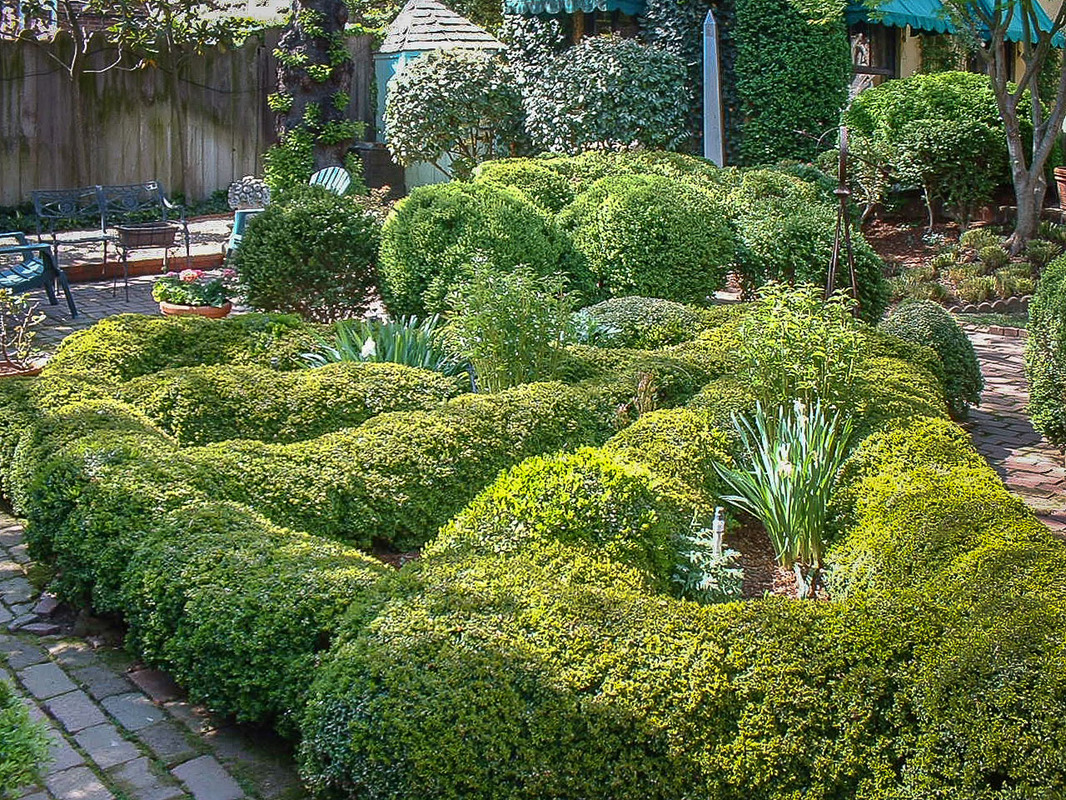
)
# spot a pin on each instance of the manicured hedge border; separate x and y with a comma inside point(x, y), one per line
point(526, 666)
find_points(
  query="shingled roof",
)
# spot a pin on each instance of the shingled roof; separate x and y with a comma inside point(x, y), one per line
point(429, 25)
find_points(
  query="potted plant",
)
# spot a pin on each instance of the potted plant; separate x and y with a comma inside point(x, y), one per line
point(192, 292)
point(18, 318)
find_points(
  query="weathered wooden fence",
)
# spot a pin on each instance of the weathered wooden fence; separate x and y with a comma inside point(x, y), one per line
point(195, 129)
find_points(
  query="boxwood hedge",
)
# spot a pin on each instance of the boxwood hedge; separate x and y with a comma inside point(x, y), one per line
point(536, 650)
point(1045, 354)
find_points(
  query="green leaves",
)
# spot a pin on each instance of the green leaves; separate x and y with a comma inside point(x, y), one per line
point(794, 457)
point(607, 92)
point(452, 108)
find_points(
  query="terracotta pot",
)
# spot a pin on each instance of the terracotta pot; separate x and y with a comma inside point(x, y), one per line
point(213, 312)
point(1060, 184)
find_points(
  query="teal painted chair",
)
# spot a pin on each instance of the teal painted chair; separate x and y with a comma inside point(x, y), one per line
point(241, 218)
point(336, 179)
point(25, 266)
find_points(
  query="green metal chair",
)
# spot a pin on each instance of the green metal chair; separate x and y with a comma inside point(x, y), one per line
point(34, 268)
point(336, 179)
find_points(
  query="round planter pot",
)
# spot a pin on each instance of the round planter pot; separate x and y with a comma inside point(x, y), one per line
point(1060, 184)
point(213, 312)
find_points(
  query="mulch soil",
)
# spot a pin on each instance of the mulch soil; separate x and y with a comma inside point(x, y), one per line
point(903, 245)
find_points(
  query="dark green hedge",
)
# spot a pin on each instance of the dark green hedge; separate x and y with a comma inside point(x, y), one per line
point(792, 69)
point(1045, 354)
point(237, 609)
point(198, 405)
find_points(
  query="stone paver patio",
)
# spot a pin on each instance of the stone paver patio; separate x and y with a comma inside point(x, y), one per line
point(120, 732)
point(1003, 434)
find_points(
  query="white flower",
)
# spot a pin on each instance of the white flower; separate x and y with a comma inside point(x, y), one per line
point(370, 349)
point(786, 469)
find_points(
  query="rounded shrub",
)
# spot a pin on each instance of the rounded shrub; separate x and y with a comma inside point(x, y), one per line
point(545, 187)
point(925, 322)
point(642, 322)
point(312, 253)
point(786, 231)
point(237, 609)
point(433, 235)
point(652, 236)
point(590, 499)
point(198, 405)
point(585, 169)
point(1045, 354)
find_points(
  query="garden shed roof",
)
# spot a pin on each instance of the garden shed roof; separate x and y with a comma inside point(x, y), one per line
point(429, 25)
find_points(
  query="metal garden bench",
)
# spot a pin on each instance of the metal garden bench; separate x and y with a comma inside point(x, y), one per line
point(25, 266)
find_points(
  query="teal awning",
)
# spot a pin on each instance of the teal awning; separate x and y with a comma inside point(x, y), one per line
point(530, 7)
point(929, 15)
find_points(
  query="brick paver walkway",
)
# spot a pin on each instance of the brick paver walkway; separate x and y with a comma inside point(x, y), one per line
point(1002, 432)
point(119, 732)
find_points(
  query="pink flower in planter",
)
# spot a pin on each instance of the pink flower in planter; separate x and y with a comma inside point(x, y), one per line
point(190, 275)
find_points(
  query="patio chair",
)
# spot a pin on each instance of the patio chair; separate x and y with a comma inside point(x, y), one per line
point(336, 179)
point(241, 217)
point(34, 268)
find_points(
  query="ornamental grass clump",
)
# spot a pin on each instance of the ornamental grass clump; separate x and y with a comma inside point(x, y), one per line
point(794, 455)
point(408, 340)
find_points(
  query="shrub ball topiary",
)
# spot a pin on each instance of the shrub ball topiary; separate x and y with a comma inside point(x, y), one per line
point(1045, 354)
point(653, 236)
point(545, 187)
point(645, 322)
point(629, 93)
point(310, 252)
point(926, 322)
point(23, 743)
point(436, 232)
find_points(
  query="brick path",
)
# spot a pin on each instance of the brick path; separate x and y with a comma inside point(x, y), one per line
point(1001, 430)
point(118, 732)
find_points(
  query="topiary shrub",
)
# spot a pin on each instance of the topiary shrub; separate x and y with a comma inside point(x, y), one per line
point(585, 169)
point(237, 610)
point(927, 323)
point(641, 322)
point(652, 236)
point(786, 232)
point(400, 476)
point(1045, 354)
point(630, 94)
point(198, 405)
point(453, 108)
point(545, 187)
point(24, 744)
point(435, 233)
point(312, 253)
point(130, 345)
point(591, 499)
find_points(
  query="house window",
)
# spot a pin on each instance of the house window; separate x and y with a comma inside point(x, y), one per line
point(874, 56)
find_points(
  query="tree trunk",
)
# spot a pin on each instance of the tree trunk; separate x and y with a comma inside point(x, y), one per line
point(315, 46)
point(1029, 191)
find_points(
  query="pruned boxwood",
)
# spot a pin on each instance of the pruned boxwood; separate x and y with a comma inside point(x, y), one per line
point(237, 609)
point(129, 345)
point(644, 322)
point(653, 236)
point(198, 405)
point(927, 323)
point(24, 743)
point(434, 234)
point(545, 187)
